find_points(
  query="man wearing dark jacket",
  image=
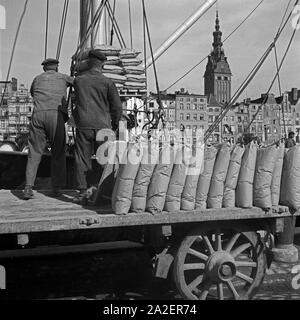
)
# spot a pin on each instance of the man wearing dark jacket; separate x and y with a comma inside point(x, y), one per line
point(98, 106)
point(49, 91)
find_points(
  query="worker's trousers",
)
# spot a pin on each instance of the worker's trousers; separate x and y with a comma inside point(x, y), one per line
point(86, 146)
point(47, 125)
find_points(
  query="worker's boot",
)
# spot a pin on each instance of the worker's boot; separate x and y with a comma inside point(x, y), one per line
point(81, 198)
point(28, 193)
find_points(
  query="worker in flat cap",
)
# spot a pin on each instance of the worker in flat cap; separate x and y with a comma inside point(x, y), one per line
point(97, 106)
point(49, 92)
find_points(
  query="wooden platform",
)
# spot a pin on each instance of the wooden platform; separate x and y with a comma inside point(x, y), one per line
point(44, 213)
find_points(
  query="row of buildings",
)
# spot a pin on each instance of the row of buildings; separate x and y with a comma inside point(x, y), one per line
point(268, 117)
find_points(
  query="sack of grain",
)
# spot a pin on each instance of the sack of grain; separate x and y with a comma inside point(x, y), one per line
point(160, 180)
point(127, 53)
point(232, 176)
point(276, 179)
point(143, 177)
point(290, 181)
point(216, 188)
point(130, 62)
point(134, 85)
point(188, 197)
point(205, 177)
point(108, 50)
point(134, 70)
point(136, 77)
point(265, 163)
point(122, 192)
point(108, 68)
point(176, 183)
point(116, 78)
point(114, 60)
point(244, 190)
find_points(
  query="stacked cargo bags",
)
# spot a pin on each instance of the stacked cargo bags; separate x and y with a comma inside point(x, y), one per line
point(203, 185)
point(232, 176)
point(265, 163)
point(177, 181)
point(143, 177)
point(122, 66)
point(188, 197)
point(276, 179)
point(216, 188)
point(290, 181)
point(244, 189)
point(160, 179)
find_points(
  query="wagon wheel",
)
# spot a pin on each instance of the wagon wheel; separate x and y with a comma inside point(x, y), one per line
point(219, 264)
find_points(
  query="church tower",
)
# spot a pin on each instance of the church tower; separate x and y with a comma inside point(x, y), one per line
point(217, 77)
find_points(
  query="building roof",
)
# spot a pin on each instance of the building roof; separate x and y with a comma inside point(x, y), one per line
point(270, 99)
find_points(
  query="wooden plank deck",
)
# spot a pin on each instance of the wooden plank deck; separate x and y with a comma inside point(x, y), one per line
point(44, 213)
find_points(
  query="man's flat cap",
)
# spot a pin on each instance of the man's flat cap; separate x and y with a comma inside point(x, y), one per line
point(50, 61)
point(96, 53)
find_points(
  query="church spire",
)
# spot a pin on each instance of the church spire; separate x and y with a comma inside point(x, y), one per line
point(217, 44)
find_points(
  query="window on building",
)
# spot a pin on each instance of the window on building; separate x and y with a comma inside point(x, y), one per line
point(188, 116)
point(239, 119)
point(194, 129)
point(181, 106)
point(201, 100)
point(219, 77)
point(181, 116)
point(210, 110)
point(253, 128)
point(274, 121)
point(259, 128)
point(225, 78)
point(201, 107)
point(195, 116)
point(240, 129)
point(275, 130)
point(210, 119)
point(201, 117)
point(151, 104)
point(188, 106)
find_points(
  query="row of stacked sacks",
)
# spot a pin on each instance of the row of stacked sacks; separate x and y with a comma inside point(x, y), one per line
point(122, 66)
point(220, 176)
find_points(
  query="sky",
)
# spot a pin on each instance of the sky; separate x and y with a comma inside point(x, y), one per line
point(243, 49)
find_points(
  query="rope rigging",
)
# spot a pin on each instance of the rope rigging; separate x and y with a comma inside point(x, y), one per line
point(13, 50)
point(112, 27)
point(46, 27)
point(62, 28)
point(130, 24)
point(281, 63)
point(231, 33)
point(160, 106)
point(249, 78)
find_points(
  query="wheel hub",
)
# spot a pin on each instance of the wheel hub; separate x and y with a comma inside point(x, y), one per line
point(221, 267)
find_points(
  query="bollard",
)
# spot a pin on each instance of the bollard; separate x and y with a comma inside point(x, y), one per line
point(284, 250)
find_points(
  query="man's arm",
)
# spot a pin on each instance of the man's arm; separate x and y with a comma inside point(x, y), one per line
point(32, 87)
point(69, 80)
point(115, 105)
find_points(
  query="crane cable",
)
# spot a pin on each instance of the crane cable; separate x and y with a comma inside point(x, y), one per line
point(62, 28)
point(160, 106)
point(249, 79)
point(202, 60)
point(115, 25)
point(281, 63)
point(112, 27)
point(13, 50)
point(46, 26)
point(130, 24)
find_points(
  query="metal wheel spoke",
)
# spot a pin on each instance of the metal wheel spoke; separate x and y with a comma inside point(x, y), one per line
point(195, 282)
point(193, 266)
point(208, 245)
point(246, 264)
point(232, 241)
point(232, 289)
point(218, 241)
point(244, 277)
point(240, 249)
point(204, 289)
point(198, 254)
point(220, 291)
